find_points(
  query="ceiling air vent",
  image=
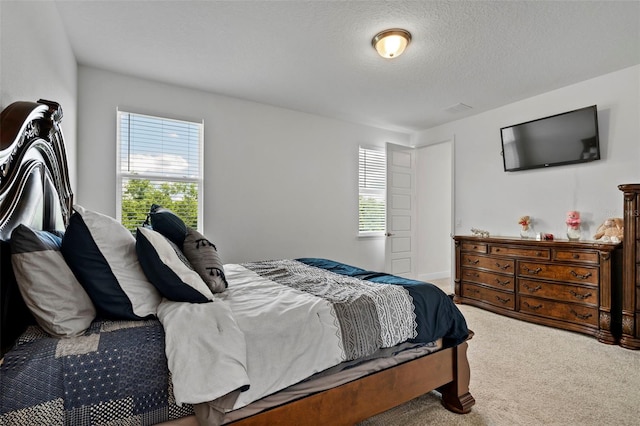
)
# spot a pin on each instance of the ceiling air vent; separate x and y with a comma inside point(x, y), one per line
point(459, 107)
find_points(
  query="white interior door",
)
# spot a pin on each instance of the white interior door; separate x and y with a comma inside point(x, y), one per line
point(401, 243)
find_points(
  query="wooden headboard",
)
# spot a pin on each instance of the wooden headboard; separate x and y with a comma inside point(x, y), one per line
point(34, 190)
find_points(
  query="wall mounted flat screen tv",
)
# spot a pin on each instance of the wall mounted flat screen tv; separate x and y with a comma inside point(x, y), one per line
point(567, 138)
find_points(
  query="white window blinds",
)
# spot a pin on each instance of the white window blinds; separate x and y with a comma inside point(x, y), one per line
point(372, 191)
point(159, 162)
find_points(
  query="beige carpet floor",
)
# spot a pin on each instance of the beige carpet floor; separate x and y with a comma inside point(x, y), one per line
point(527, 374)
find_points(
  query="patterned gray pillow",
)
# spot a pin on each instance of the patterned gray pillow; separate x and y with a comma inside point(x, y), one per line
point(203, 256)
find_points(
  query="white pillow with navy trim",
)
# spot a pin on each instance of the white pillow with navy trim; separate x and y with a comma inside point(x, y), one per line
point(101, 252)
point(168, 269)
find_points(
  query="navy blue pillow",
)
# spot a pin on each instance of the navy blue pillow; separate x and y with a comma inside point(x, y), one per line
point(168, 270)
point(102, 255)
point(168, 224)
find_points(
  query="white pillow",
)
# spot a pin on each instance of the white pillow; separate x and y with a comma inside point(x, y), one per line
point(49, 289)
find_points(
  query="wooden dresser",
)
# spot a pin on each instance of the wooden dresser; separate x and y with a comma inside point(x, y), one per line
point(574, 285)
point(631, 266)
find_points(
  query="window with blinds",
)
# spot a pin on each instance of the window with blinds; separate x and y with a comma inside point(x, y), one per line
point(372, 192)
point(159, 162)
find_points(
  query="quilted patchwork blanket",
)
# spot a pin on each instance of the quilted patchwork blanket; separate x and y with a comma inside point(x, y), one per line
point(116, 371)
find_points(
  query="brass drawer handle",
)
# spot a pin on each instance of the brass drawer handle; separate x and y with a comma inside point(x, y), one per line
point(473, 262)
point(580, 296)
point(532, 271)
point(534, 308)
point(582, 277)
point(531, 289)
point(472, 290)
point(503, 283)
point(503, 267)
point(473, 274)
point(581, 316)
point(500, 299)
point(576, 256)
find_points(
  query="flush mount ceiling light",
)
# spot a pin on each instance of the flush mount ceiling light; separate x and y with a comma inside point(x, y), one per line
point(391, 43)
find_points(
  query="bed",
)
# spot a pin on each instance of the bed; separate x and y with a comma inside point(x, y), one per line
point(383, 342)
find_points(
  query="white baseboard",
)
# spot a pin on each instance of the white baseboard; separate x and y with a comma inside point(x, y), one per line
point(437, 279)
point(434, 275)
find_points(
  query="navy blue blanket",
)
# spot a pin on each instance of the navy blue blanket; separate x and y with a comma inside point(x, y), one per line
point(436, 314)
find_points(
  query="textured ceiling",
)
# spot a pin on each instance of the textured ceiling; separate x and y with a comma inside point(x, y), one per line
point(316, 56)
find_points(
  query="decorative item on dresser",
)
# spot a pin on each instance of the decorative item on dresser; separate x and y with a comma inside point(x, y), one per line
point(525, 226)
point(565, 284)
point(573, 225)
point(631, 266)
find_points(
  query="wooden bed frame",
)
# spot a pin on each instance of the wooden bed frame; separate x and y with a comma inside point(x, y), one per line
point(35, 189)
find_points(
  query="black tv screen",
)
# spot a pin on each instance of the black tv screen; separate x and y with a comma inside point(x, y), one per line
point(567, 138)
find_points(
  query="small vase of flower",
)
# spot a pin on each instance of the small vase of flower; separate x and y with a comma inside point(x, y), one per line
point(573, 225)
point(525, 226)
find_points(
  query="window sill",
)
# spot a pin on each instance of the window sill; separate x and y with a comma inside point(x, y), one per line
point(370, 235)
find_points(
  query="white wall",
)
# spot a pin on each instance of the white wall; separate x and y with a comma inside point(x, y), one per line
point(488, 198)
point(434, 184)
point(277, 183)
point(36, 62)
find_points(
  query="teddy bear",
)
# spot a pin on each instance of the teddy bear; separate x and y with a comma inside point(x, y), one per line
point(610, 230)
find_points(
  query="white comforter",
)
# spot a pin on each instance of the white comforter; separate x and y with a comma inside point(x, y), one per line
point(257, 333)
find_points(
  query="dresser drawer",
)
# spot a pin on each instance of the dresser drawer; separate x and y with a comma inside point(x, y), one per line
point(563, 311)
point(506, 266)
point(475, 247)
point(534, 253)
point(565, 273)
point(493, 297)
point(578, 256)
point(560, 292)
point(503, 282)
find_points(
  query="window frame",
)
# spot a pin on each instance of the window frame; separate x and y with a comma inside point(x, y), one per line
point(381, 193)
point(120, 175)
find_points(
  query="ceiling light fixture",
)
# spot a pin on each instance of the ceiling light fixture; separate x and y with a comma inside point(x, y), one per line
point(391, 43)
